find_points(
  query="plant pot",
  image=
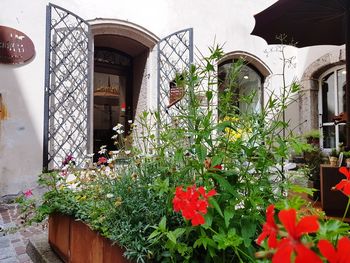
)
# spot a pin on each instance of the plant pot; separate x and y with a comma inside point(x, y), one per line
point(333, 202)
point(333, 161)
point(347, 162)
point(313, 141)
point(74, 242)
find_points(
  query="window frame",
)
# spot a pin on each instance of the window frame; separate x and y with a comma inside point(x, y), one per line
point(337, 111)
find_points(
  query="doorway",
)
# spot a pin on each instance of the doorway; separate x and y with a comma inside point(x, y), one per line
point(112, 92)
point(119, 86)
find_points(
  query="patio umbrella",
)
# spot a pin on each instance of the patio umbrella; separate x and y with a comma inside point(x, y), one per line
point(309, 23)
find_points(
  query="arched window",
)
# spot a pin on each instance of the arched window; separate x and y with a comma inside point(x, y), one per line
point(332, 103)
point(247, 88)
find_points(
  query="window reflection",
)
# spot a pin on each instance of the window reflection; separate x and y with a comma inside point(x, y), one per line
point(328, 107)
point(332, 91)
point(246, 87)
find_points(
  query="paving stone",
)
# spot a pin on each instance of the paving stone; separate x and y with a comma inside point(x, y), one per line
point(6, 253)
point(23, 258)
point(4, 242)
point(20, 250)
point(9, 260)
point(14, 239)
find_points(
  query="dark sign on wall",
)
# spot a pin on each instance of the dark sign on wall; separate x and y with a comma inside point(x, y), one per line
point(15, 46)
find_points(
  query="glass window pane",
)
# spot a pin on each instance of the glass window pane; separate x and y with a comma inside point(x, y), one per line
point(329, 137)
point(341, 82)
point(328, 107)
point(249, 90)
point(248, 85)
point(342, 134)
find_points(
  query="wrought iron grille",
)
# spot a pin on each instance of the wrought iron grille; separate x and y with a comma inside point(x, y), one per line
point(66, 87)
point(175, 55)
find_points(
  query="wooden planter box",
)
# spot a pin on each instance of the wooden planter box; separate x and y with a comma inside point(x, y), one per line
point(75, 242)
point(333, 202)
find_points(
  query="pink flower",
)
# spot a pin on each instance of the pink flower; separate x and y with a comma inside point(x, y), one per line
point(102, 160)
point(28, 193)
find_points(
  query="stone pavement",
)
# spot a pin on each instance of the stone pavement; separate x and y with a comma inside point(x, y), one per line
point(13, 241)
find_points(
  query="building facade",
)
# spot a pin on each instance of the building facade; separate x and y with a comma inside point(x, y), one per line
point(101, 63)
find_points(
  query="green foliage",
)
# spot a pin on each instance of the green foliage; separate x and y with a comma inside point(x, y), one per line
point(334, 153)
point(314, 134)
point(131, 202)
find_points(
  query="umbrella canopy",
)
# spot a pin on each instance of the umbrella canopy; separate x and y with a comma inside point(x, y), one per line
point(308, 23)
point(304, 22)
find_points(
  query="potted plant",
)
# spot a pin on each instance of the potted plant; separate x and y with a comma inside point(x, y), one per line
point(313, 137)
point(313, 159)
point(333, 157)
point(346, 156)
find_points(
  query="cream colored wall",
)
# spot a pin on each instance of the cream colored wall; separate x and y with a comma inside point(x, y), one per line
point(22, 89)
point(226, 22)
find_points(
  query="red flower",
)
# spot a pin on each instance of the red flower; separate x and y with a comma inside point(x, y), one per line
point(270, 228)
point(192, 203)
point(344, 184)
point(341, 255)
point(28, 193)
point(292, 242)
point(102, 160)
point(219, 167)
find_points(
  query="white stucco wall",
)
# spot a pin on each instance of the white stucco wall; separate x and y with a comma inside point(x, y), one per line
point(227, 22)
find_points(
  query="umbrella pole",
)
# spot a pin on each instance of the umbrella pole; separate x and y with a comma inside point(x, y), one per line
point(347, 68)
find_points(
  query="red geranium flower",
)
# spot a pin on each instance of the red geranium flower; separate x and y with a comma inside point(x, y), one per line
point(341, 255)
point(192, 203)
point(344, 184)
point(219, 167)
point(270, 228)
point(292, 242)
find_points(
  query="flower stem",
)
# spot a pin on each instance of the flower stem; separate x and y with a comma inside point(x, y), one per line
point(346, 210)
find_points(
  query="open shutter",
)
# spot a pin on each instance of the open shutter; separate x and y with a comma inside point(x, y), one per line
point(175, 55)
point(67, 88)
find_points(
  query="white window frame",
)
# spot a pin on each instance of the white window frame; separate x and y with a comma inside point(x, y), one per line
point(333, 70)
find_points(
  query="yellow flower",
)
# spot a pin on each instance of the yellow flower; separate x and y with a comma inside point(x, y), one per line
point(118, 201)
point(80, 197)
point(235, 134)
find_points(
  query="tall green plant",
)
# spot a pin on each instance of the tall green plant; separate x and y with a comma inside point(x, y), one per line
point(194, 188)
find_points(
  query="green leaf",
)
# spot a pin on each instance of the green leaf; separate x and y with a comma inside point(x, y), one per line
point(208, 217)
point(228, 215)
point(213, 202)
point(301, 189)
point(179, 155)
point(162, 224)
point(171, 237)
point(209, 95)
point(201, 152)
point(229, 239)
point(179, 232)
point(222, 125)
point(224, 183)
point(248, 231)
point(154, 234)
point(216, 160)
point(295, 87)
